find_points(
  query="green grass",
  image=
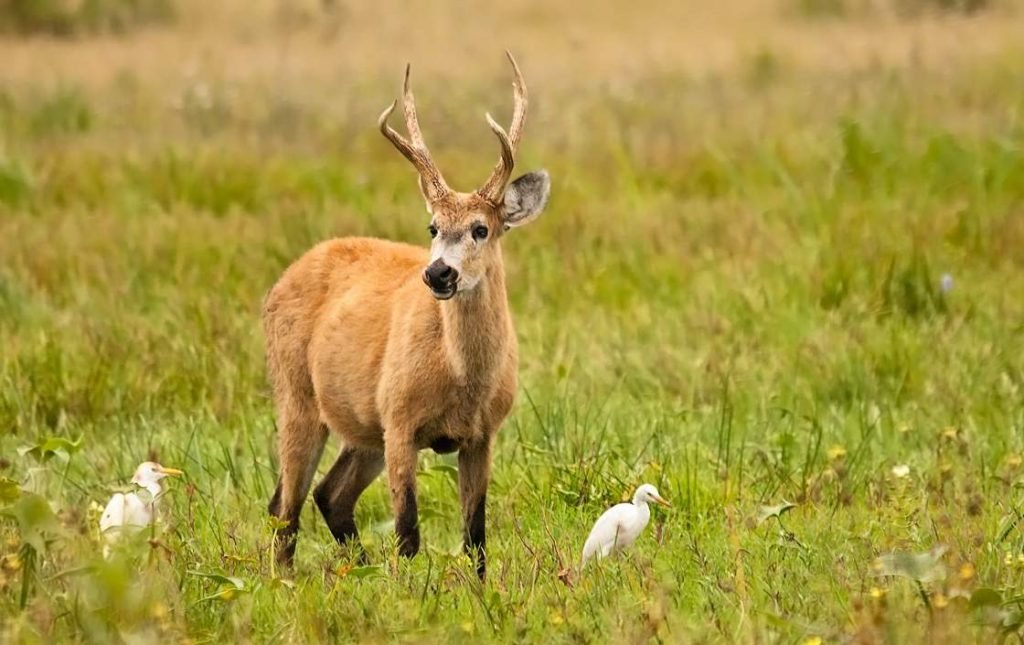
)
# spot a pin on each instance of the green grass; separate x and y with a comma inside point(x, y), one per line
point(734, 295)
point(56, 18)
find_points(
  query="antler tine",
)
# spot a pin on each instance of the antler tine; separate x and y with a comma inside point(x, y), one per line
point(391, 135)
point(412, 122)
point(519, 111)
point(507, 153)
point(416, 151)
point(494, 187)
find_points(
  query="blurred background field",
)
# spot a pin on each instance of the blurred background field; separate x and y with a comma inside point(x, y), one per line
point(783, 262)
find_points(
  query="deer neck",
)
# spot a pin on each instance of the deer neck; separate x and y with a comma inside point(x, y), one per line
point(475, 326)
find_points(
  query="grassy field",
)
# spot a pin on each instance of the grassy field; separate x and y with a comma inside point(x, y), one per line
point(783, 263)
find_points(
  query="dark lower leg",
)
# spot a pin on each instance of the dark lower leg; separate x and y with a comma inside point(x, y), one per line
point(407, 522)
point(474, 476)
point(337, 494)
point(475, 538)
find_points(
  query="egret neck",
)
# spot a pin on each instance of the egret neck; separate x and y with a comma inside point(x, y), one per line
point(155, 489)
point(640, 501)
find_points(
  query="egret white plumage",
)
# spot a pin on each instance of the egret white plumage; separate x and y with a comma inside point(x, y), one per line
point(621, 525)
point(133, 512)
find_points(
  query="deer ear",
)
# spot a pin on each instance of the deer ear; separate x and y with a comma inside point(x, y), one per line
point(526, 197)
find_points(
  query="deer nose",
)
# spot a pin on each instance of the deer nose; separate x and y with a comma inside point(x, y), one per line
point(439, 276)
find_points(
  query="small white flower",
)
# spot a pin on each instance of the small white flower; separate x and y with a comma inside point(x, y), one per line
point(946, 283)
point(900, 471)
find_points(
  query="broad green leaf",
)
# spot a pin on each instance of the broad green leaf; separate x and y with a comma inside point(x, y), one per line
point(1012, 620)
point(768, 512)
point(985, 597)
point(923, 567)
point(58, 447)
point(36, 520)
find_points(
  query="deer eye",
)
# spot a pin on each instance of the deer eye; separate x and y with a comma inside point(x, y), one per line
point(432, 230)
point(479, 232)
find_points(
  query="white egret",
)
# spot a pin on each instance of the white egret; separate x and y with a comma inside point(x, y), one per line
point(621, 524)
point(133, 512)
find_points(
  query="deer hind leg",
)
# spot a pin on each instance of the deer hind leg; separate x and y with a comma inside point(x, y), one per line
point(337, 493)
point(300, 444)
point(474, 477)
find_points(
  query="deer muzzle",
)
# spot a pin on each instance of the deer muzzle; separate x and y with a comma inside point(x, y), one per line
point(442, 279)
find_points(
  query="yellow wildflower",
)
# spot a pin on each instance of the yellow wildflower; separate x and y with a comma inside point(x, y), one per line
point(966, 571)
point(835, 453)
point(10, 562)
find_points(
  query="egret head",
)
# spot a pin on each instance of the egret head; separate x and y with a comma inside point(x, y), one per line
point(647, 494)
point(150, 472)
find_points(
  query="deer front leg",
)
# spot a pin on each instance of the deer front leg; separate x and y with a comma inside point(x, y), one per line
point(474, 476)
point(400, 460)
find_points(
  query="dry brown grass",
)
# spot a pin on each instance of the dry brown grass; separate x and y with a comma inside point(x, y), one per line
point(562, 43)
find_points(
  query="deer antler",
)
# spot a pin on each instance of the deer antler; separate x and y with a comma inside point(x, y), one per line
point(494, 188)
point(416, 152)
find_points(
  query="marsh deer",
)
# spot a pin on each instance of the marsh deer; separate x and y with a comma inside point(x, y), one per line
point(358, 346)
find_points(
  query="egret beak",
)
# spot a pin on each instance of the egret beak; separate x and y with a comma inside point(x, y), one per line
point(171, 471)
point(662, 501)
